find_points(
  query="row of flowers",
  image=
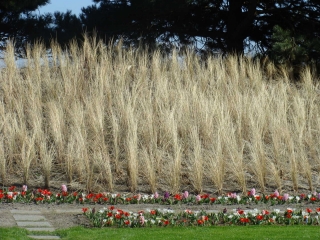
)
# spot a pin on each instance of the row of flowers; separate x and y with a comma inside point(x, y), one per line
point(113, 217)
point(11, 194)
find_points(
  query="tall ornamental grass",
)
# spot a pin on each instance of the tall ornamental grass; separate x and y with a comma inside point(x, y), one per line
point(112, 118)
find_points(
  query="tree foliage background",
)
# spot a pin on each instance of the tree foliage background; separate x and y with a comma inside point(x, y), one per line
point(288, 31)
point(17, 20)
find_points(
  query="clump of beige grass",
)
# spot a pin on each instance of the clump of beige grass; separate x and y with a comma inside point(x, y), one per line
point(100, 116)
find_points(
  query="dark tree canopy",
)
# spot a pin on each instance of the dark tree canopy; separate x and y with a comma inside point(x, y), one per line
point(63, 28)
point(287, 30)
point(13, 15)
point(215, 25)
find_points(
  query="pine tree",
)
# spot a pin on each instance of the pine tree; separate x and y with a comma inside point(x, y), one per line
point(13, 16)
point(228, 26)
point(294, 49)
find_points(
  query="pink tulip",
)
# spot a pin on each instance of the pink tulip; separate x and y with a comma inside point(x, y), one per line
point(198, 198)
point(24, 188)
point(185, 194)
point(64, 188)
point(285, 196)
point(232, 195)
point(253, 192)
point(156, 195)
point(139, 197)
point(276, 193)
point(141, 218)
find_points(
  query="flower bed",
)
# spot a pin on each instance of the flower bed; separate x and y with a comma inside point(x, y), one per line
point(45, 196)
point(112, 216)
point(116, 217)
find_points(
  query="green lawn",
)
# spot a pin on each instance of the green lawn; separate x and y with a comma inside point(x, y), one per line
point(236, 232)
point(13, 233)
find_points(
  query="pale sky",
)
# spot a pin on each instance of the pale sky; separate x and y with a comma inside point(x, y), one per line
point(61, 6)
point(64, 5)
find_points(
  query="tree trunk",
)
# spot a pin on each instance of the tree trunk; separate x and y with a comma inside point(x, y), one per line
point(239, 24)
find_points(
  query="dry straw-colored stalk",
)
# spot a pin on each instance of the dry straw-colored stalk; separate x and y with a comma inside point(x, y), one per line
point(3, 164)
point(96, 139)
point(257, 145)
point(215, 162)
point(196, 172)
point(102, 162)
point(46, 160)
point(116, 141)
point(131, 149)
point(176, 153)
point(70, 158)
point(110, 113)
point(56, 127)
point(3, 158)
point(27, 156)
point(147, 159)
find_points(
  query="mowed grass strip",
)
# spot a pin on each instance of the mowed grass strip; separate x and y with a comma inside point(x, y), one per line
point(232, 232)
point(13, 233)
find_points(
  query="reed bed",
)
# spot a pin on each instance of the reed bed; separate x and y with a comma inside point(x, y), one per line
point(112, 118)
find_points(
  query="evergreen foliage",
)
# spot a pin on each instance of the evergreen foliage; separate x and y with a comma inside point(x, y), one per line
point(288, 31)
point(294, 49)
point(16, 20)
point(210, 25)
